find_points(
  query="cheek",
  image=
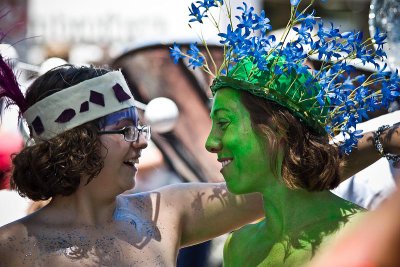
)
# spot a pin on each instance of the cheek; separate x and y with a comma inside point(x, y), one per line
point(105, 153)
point(110, 148)
point(247, 142)
point(105, 145)
point(254, 153)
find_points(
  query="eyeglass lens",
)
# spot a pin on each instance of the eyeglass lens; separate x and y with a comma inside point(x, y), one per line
point(132, 133)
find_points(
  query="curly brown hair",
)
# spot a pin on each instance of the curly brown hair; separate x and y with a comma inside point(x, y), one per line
point(55, 167)
point(309, 161)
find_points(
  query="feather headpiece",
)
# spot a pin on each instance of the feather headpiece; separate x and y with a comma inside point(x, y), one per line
point(9, 86)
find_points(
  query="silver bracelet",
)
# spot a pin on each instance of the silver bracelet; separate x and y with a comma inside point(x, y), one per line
point(379, 147)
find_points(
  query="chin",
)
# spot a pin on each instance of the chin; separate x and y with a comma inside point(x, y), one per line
point(131, 185)
point(235, 189)
point(127, 182)
point(240, 188)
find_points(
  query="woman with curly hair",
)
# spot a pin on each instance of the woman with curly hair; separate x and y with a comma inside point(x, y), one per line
point(87, 143)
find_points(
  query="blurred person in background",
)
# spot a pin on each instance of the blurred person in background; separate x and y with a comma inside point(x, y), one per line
point(13, 206)
point(372, 242)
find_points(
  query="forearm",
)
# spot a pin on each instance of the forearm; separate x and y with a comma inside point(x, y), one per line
point(365, 153)
point(210, 210)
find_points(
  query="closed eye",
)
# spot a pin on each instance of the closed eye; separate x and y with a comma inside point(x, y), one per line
point(223, 124)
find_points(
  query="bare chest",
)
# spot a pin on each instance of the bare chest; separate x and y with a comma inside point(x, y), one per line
point(112, 246)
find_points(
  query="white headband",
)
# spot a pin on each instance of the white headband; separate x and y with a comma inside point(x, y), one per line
point(78, 104)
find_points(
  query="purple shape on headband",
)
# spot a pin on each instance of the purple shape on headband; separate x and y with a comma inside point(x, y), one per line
point(30, 131)
point(38, 125)
point(96, 98)
point(120, 93)
point(84, 107)
point(66, 115)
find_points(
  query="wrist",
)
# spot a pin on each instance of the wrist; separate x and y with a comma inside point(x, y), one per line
point(381, 145)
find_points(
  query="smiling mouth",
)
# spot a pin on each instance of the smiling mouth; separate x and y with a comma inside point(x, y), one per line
point(225, 162)
point(131, 162)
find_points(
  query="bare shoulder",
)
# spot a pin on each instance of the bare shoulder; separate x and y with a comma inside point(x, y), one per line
point(10, 233)
point(344, 228)
point(168, 205)
point(15, 244)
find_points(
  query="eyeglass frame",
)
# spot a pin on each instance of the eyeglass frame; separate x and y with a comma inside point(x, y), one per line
point(136, 128)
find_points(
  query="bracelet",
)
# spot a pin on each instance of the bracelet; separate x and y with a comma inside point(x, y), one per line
point(379, 147)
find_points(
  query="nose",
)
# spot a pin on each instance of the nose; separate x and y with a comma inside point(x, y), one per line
point(141, 142)
point(213, 144)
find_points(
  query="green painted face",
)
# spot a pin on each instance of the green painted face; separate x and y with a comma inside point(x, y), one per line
point(245, 163)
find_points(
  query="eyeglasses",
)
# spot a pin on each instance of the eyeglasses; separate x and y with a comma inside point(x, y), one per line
point(131, 133)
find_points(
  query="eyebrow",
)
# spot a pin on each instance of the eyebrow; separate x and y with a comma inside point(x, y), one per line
point(218, 110)
point(123, 120)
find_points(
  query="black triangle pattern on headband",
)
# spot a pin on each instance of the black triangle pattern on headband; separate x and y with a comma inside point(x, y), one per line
point(38, 125)
point(96, 98)
point(84, 107)
point(66, 115)
point(120, 94)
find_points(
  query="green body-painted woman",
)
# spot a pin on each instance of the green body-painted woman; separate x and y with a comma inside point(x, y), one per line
point(273, 120)
point(268, 146)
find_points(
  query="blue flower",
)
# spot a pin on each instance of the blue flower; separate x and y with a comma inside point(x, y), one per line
point(193, 50)
point(327, 32)
point(360, 78)
point(351, 139)
point(328, 50)
point(246, 19)
point(294, 2)
point(176, 53)
point(307, 20)
point(232, 38)
point(379, 38)
point(362, 113)
point(380, 52)
point(196, 62)
point(207, 4)
point(196, 14)
point(304, 34)
point(195, 59)
point(247, 12)
point(261, 23)
point(321, 97)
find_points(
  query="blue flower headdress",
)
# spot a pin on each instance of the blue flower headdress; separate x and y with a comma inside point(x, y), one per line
point(329, 100)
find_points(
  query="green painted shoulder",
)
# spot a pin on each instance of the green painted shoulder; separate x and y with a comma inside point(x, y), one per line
point(247, 246)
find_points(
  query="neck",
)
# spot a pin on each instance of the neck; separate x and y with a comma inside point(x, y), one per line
point(288, 211)
point(84, 207)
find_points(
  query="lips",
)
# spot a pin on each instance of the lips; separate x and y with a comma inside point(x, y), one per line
point(225, 161)
point(131, 163)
